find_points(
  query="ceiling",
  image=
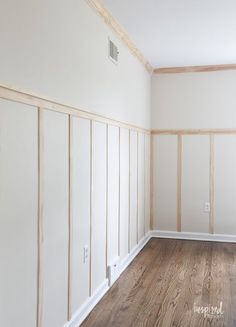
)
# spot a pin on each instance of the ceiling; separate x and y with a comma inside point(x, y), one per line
point(174, 33)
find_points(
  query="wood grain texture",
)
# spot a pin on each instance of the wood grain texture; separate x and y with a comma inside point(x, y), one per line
point(165, 281)
point(120, 32)
point(209, 131)
point(194, 69)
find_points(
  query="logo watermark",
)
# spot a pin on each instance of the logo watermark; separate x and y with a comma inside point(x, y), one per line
point(209, 311)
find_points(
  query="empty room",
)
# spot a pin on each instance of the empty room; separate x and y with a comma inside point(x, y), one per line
point(117, 163)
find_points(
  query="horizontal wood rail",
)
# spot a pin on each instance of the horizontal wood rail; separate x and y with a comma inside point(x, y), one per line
point(12, 94)
point(194, 69)
point(209, 131)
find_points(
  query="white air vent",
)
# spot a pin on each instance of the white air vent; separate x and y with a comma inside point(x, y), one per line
point(113, 52)
point(114, 271)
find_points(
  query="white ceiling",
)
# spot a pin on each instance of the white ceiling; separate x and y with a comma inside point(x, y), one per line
point(173, 33)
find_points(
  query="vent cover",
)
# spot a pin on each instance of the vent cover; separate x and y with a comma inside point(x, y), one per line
point(113, 52)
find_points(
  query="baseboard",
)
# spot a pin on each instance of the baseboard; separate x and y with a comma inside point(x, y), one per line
point(88, 306)
point(134, 252)
point(194, 236)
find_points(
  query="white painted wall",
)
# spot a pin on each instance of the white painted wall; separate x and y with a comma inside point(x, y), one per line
point(85, 182)
point(59, 49)
point(133, 212)
point(18, 214)
point(141, 186)
point(99, 205)
point(225, 184)
point(124, 193)
point(195, 183)
point(195, 101)
point(80, 210)
point(165, 182)
point(55, 228)
point(113, 194)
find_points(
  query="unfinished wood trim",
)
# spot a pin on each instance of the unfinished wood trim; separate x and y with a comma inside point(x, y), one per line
point(9, 93)
point(120, 32)
point(179, 183)
point(40, 220)
point(107, 167)
point(119, 202)
point(209, 131)
point(151, 183)
point(129, 246)
point(144, 184)
point(91, 206)
point(70, 221)
point(137, 186)
point(212, 185)
point(194, 69)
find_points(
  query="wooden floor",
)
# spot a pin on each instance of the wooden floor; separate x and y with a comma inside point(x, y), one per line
point(166, 281)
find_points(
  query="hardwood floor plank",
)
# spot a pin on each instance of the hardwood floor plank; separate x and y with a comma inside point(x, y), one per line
point(166, 281)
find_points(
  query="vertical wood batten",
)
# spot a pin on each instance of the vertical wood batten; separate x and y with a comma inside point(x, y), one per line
point(107, 167)
point(119, 202)
point(70, 229)
point(137, 226)
point(151, 182)
point(91, 197)
point(40, 218)
point(144, 184)
point(129, 246)
point(212, 184)
point(179, 183)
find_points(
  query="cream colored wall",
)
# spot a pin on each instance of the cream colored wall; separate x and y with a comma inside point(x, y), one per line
point(194, 100)
point(206, 174)
point(65, 184)
point(65, 181)
point(18, 214)
point(59, 49)
point(165, 182)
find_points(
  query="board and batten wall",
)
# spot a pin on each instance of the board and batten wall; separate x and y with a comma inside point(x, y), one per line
point(194, 153)
point(67, 183)
point(65, 163)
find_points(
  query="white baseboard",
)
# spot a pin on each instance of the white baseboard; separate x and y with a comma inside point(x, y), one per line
point(194, 236)
point(134, 252)
point(88, 306)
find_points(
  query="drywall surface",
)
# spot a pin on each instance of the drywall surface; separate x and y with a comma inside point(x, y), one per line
point(194, 100)
point(59, 49)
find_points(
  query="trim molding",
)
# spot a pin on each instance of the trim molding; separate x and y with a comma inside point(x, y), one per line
point(88, 306)
point(120, 31)
point(208, 131)
point(194, 236)
point(124, 263)
point(12, 94)
point(194, 69)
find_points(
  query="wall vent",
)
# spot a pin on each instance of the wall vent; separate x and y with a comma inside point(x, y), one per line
point(113, 52)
